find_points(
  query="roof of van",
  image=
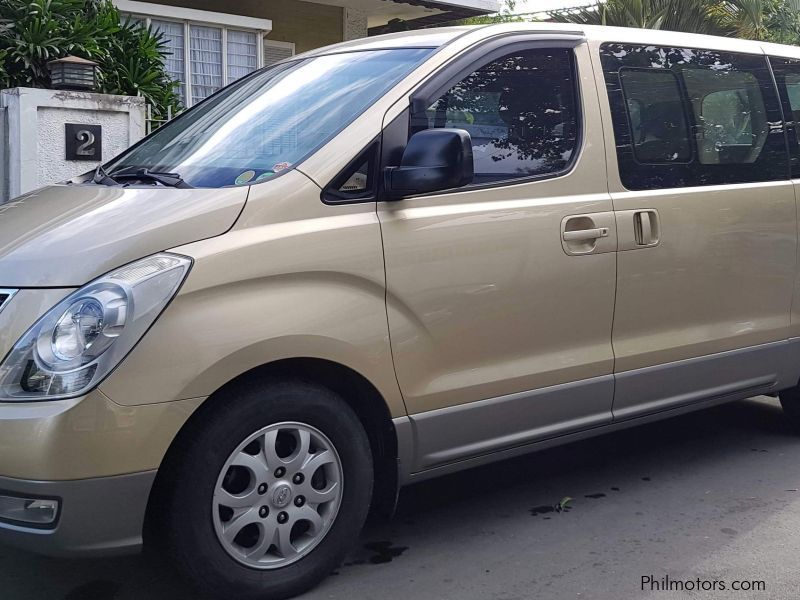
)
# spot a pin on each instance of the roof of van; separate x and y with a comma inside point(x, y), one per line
point(436, 37)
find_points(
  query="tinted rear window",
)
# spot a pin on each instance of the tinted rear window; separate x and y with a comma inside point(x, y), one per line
point(688, 117)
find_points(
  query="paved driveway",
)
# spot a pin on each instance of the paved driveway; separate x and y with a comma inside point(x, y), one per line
point(712, 495)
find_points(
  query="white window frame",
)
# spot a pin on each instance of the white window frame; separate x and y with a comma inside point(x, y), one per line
point(190, 16)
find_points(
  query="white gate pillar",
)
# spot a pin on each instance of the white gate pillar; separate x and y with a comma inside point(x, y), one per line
point(33, 144)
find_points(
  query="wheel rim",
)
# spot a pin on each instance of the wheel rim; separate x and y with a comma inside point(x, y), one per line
point(277, 495)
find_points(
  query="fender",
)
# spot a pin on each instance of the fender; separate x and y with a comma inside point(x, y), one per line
point(277, 286)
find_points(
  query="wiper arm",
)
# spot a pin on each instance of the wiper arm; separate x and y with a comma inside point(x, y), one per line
point(100, 177)
point(168, 179)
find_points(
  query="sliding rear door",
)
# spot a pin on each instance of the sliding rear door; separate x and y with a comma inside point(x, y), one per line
point(706, 221)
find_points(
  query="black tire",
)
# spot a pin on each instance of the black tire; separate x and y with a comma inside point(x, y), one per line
point(200, 454)
point(790, 401)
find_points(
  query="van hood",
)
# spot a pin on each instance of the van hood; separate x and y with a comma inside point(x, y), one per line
point(67, 235)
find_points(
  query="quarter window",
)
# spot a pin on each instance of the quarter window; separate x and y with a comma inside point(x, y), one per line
point(686, 117)
point(730, 114)
point(520, 111)
point(357, 181)
point(787, 76)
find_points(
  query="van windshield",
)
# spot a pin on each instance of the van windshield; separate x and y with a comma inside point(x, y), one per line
point(268, 122)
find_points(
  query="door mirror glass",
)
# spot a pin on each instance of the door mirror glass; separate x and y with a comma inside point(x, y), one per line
point(434, 160)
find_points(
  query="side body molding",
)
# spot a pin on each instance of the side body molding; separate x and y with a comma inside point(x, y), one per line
point(441, 441)
point(458, 432)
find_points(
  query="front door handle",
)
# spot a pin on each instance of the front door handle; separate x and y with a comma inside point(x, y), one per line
point(585, 234)
point(592, 233)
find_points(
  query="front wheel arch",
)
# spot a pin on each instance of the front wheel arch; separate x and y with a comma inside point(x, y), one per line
point(365, 400)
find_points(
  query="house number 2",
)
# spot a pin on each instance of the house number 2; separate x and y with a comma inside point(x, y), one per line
point(83, 142)
point(87, 147)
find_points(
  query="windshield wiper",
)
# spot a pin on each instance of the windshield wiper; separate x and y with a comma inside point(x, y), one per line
point(168, 179)
point(100, 177)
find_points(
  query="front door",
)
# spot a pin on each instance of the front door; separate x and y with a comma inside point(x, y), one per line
point(706, 225)
point(500, 295)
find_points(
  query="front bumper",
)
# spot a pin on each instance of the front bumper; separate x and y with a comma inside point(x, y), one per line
point(99, 459)
point(96, 457)
point(98, 516)
point(86, 437)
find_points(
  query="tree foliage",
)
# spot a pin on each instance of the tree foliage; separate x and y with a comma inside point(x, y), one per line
point(673, 15)
point(772, 20)
point(506, 15)
point(130, 55)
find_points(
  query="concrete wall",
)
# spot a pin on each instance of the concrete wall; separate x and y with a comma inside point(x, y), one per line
point(33, 141)
point(306, 24)
point(355, 24)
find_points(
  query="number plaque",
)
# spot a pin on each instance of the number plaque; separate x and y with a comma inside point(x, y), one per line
point(84, 142)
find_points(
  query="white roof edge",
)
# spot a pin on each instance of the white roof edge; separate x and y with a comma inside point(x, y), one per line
point(180, 13)
point(782, 50)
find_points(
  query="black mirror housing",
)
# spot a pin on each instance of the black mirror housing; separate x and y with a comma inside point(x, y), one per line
point(434, 160)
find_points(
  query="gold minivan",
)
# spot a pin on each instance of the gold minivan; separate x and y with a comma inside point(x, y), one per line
point(386, 260)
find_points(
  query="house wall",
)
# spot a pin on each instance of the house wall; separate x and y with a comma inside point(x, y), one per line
point(307, 24)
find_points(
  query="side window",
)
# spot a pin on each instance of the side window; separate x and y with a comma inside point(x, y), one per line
point(687, 117)
point(659, 129)
point(787, 76)
point(520, 110)
point(793, 89)
point(730, 113)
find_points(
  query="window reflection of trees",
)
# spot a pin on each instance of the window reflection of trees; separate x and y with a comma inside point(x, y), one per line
point(522, 105)
point(729, 101)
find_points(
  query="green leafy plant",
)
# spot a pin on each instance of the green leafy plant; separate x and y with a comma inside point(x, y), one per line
point(773, 20)
point(130, 55)
point(673, 15)
point(134, 65)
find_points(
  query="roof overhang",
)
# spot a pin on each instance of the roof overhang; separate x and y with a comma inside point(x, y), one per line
point(417, 12)
point(153, 9)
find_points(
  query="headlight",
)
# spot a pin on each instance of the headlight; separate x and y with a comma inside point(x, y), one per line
point(78, 342)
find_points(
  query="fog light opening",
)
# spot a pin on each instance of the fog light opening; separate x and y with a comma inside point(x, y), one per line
point(38, 512)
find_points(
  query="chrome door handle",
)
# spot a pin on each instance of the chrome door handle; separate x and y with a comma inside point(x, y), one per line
point(585, 234)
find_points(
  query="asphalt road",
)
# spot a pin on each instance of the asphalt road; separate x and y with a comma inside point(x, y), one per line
point(713, 495)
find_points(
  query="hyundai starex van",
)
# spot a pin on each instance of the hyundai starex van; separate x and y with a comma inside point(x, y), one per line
point(383, 261)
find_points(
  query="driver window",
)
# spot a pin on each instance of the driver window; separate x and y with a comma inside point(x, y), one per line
point(520, 111)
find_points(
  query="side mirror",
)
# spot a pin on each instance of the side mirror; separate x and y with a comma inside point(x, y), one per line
point(434, 160)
